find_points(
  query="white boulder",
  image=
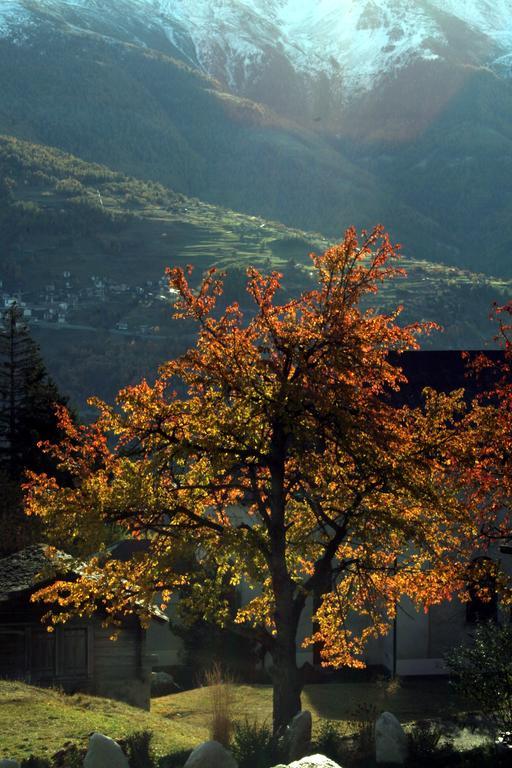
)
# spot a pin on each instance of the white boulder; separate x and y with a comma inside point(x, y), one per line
point(104, 752)
point(210, 754)
point(390, 740)
point(314, 761)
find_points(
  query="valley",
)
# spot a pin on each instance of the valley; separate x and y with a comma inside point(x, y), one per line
point(85, 250)
point(426, 152)
point(140, 135)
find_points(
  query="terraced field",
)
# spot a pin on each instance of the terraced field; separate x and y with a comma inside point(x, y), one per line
point(59, 214)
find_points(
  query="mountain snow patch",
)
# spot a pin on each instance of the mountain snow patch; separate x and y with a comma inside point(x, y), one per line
point(352, 42)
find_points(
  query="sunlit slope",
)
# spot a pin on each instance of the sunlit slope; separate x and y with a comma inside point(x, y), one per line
point(51, 720)
point(315, 114)
point(67, 214)
point(149, 115)
point(152, 116)
point(60, 214)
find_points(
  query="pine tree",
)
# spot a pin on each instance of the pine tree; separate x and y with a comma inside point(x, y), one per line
point(28, 399)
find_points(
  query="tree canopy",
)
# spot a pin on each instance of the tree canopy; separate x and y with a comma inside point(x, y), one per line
point(487, 480)
point(273, 452)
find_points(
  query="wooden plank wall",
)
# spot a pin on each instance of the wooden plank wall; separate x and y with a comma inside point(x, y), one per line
point(81, 657)
point(121, 669)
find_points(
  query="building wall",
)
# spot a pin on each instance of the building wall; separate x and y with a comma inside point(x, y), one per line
point(163, 645)
point(423, 638)
point(77, 656)
point(121, 666)
point(416, 645)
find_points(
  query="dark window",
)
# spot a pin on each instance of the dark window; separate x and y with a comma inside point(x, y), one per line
point(483, 598)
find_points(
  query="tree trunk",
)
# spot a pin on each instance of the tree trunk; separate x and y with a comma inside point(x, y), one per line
point(286, 682)
point(286, 677)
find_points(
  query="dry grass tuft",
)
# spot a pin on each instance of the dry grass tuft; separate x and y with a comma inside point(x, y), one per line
point(221, 699)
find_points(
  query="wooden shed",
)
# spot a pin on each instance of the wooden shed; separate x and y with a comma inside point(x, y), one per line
point(78, 655)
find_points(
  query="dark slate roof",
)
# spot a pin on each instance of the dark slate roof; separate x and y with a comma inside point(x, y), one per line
point(30, 568)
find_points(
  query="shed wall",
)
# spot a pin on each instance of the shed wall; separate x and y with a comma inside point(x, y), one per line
point(77, 656)
point(122, 667)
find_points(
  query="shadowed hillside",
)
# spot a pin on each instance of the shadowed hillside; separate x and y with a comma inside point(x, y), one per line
point(85, 249)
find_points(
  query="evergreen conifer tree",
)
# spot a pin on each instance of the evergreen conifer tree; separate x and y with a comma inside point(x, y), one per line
point(28, 398)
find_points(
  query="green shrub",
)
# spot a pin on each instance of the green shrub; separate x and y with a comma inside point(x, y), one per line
point(174, 759)
point(252, 744)
point(139, 750)
point(329, 740)
point(479, 757)
point(482, 671)
point(424, 741)
point(364, 717)
point(70, 756)
point(35, 762)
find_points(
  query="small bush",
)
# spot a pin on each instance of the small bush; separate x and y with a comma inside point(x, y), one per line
point(174, 759)
point(423, 741)
point(364, 717)
point(35, 762)
point(329, 740)
point(221, 704)
point(479, 757)
point(252, 744)
point(71, 756)
point(482, 671)
point(139, 750)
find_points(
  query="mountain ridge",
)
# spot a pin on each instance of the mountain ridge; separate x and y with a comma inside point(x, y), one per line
point(351, 45)
point(316, 62)
point(185, 132)
point(427, 152)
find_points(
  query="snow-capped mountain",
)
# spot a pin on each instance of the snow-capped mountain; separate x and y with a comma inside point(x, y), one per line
point(346, 45)
point(392, 111)
point(353, 41)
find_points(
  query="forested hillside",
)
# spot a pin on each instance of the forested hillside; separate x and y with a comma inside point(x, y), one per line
point(146, 114)
point(85, 250)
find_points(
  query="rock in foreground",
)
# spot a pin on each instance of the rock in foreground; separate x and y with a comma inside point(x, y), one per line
point(210, 754)
point(104, 752)
point(299, 735)
point(312, 761)
point(390, 740)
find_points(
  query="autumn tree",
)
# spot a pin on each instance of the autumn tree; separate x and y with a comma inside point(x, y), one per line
point(487, 480)
point(286, 465)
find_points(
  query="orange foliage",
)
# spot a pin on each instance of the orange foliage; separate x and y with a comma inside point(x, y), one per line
point(286, 465)
point(487, 472)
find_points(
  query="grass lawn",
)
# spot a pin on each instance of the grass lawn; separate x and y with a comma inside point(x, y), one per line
point(39, 721)
point(408, 700)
